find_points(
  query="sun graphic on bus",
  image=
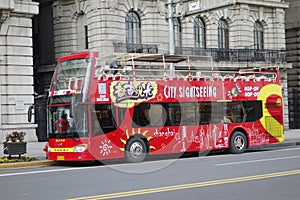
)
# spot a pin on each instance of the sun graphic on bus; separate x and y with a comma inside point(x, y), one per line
point(105, 147)
point(128, 135)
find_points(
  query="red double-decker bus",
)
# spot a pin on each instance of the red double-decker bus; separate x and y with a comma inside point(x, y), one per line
point(108, 106)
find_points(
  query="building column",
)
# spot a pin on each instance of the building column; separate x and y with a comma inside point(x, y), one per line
point(16, 67)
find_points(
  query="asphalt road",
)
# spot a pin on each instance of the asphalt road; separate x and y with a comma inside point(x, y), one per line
point(267, 174)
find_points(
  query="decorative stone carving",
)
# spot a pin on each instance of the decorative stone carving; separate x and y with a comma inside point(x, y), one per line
point(161, 8)
point(4, 14)
point(113, 4)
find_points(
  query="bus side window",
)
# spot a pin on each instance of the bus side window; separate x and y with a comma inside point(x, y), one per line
point(173, 114)
point(253, 110)
point(140, 116)
point(204, 112)
point(157, 115)
point(121, 115)
point(237, 112)
point(188, 113)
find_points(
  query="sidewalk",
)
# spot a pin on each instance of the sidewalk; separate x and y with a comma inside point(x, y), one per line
point(35, 149)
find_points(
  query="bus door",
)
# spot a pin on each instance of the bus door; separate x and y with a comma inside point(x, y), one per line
point(106, 120)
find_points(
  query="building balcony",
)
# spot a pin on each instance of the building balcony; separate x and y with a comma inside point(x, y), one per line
point(122, 47)
point(217, 55)
point(236, 55)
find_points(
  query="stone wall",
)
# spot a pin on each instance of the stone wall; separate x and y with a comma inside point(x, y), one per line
point(16, 72)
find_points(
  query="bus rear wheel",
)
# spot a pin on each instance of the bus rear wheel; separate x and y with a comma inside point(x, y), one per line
point(238, 142)
point(136, 150)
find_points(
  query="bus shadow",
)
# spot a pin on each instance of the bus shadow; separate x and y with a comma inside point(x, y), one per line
point(148, 159)
point(161, 157)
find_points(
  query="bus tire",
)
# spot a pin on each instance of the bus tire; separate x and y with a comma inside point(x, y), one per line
point(238, 142)
point(136, 150)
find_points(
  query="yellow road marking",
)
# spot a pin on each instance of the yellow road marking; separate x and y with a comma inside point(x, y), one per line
point(188, 186)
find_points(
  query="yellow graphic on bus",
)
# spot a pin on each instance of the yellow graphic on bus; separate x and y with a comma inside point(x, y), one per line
point(127, 93)
point(271, 125)
point(128, 135)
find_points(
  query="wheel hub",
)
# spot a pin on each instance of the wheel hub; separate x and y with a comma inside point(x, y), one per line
point(136, 150)
point(239, 142)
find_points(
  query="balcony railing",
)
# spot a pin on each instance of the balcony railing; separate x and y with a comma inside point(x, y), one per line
point(236, 55)
point(228, 55)
point(135, 48)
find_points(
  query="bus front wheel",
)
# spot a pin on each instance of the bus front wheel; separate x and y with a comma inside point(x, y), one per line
point(136, 150)
point(238, 142)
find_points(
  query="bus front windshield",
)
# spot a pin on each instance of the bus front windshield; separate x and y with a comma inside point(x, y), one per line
point(63, 123)
point(71, 74)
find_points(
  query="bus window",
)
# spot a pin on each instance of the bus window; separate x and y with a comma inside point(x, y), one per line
point(61, 122)
point(174, 114)
point(121, 115)
point(215, 113)
point(104, 121)
point(177, 114)
point(80, 120)
point(205, 110)
point(236, 112)
point(218, 113)
point(73, 125)
point(253, 110)
point(188, 113)
point(140, 116)
point(150, 114)
point(157, 115)
point(95, 123)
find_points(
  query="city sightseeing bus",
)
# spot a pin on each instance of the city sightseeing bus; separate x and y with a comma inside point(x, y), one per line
point(136, 105)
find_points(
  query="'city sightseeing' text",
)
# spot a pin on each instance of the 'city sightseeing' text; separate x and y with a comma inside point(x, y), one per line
point(190, 92)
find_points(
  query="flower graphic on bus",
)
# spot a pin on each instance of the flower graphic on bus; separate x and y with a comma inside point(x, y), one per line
point(234, 92)
point(128, 135)
point(105, 147)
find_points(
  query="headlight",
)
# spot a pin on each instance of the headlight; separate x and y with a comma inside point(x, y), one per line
point(80, 148)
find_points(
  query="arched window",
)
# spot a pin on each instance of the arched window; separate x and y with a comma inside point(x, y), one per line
point(177, 32)
point(133, 28)
point(223, 34)
point(82, 33)
point(258, 36)
point(199, 33)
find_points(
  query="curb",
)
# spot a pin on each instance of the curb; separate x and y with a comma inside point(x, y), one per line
point(27, 164)
point(284, 144)
point(281, 144)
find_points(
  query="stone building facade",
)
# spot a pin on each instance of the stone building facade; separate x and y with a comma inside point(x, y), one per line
point(293, 56)
point(16, 66)
point(236, 34)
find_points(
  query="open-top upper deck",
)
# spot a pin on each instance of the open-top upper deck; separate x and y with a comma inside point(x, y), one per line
point(134, 66)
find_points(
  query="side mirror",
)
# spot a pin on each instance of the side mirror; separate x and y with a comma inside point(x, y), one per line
point(29, 113)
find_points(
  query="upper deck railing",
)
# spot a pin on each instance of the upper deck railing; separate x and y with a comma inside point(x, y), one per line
point(133, 66)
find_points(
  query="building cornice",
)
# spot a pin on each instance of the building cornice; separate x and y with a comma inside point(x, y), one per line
point(272, 4)
point(259, 3)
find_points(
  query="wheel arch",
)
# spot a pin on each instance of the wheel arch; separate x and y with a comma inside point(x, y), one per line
point(141, 137)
